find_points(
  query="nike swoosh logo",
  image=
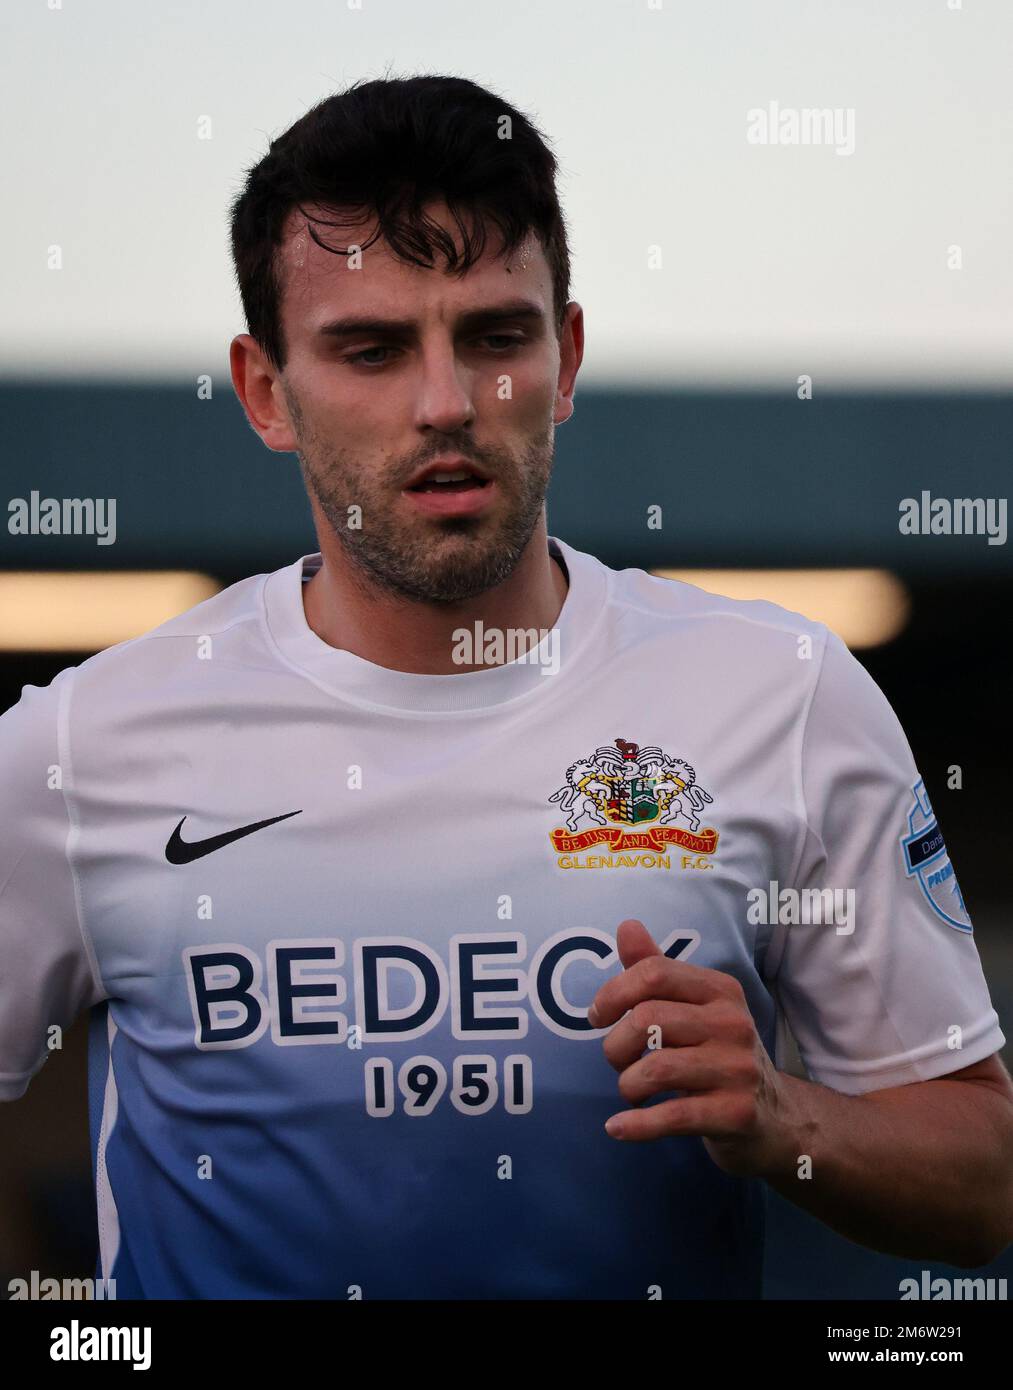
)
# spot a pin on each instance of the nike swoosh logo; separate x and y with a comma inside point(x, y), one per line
point(180, 851)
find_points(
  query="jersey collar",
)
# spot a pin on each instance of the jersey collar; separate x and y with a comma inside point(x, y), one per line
point(361, 682)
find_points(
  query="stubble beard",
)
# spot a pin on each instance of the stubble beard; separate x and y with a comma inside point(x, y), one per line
point(442, 561)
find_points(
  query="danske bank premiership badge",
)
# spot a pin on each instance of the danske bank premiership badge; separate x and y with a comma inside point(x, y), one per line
point(925, 857)
point(635, 803)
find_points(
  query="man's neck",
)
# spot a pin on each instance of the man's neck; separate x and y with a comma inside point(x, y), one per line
point(404, 635)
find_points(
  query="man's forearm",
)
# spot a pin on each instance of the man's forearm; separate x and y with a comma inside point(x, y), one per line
point(922, 1171)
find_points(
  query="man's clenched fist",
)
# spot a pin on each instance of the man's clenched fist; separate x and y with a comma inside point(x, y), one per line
point(680, 1027)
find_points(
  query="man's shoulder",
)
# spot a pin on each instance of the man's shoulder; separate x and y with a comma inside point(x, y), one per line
point(179, 641)
point(175, 653)
point(681, 604)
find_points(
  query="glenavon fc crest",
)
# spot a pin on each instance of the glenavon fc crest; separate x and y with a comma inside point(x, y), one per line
point(641, 805)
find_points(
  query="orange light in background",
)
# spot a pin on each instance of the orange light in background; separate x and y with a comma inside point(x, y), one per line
point(865, 607)
point(86, 611)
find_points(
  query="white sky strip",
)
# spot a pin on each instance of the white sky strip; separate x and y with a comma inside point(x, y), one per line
point(700, 256)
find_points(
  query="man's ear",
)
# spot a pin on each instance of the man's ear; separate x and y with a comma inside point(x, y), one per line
point(260, 392)
point(571, 354)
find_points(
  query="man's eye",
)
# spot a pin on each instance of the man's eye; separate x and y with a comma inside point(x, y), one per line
point(366, 357)
point(502, 340)
point(364, 354)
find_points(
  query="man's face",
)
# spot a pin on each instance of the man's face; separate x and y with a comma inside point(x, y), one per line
point(445, 376)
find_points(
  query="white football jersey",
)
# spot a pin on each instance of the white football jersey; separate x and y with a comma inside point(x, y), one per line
point(340, 925)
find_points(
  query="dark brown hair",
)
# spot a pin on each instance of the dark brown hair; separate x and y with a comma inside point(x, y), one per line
point(382, 150)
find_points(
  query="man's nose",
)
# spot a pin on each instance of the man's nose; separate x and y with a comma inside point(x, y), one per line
point(445, 400)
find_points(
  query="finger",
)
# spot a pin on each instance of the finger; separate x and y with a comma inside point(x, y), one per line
point(657, 977)
point(634, 942)
point(713, 1116)
point(681, 1025)
point(700, 1068)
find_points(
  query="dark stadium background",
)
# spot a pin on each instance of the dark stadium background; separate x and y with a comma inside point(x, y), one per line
point(754, 480)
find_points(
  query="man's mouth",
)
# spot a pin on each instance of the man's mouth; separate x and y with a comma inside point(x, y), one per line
point(448, 475)
point(451, 489)
point(449, 482)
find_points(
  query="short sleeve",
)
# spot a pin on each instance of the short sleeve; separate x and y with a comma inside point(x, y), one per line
point(47, 969)
point(896, 994)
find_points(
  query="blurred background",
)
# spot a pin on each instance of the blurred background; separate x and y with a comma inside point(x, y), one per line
point(785, 341)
